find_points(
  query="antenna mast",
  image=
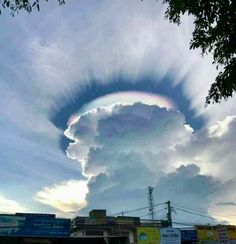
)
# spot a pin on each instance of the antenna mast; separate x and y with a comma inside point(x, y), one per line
point(151, 203)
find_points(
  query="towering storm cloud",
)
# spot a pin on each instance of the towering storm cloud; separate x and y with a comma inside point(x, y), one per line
point(105, 138)
point(125, 148)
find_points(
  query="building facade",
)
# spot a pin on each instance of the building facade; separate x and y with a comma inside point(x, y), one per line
point(99, 224)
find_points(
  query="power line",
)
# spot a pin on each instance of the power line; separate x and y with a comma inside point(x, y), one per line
point(129, 211)
point(200, 209)
point(158, 204)
point(137, 209)
point(183, 224)
point(204, 211)
point(160, 210)
point(190, 212)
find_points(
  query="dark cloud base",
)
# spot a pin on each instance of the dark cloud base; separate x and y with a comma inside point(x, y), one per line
point(184, 187)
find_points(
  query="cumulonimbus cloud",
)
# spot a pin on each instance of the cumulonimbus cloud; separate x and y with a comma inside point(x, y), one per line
point(127, 148)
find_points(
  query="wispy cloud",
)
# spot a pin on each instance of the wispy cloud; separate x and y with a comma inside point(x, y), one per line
point(68, 196)
point(10, 206)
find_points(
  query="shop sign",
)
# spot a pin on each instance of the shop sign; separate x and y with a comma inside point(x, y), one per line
point(170, 236)
point(206, 233)
point(11, 225)
point(148, 235)
point(231, 232)
point(188, 235)
point(222, 235)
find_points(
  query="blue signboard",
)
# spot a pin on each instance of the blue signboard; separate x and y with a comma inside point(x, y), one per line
point(34, 226)
point(188, 235)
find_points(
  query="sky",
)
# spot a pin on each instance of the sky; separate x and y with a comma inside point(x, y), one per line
point(100, 100)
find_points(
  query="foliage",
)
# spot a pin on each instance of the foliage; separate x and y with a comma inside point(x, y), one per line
point(28, 5)
point(214, 32)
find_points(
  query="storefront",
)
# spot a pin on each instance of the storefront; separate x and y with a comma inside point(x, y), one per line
point(68, 240)
point(188, 236)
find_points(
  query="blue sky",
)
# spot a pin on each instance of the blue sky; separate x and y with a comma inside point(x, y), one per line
point(72, 137)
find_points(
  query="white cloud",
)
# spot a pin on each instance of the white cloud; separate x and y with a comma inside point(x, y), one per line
point(138, 41)
point(221, 127)
point(10, 206)
point(102, 137)
point(133, 146)
point(67, 196)
point(213, 149)
point(66, 50)
point(129, 147)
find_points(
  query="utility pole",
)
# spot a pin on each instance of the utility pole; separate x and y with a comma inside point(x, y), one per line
point(151, 203)
point(169, 217)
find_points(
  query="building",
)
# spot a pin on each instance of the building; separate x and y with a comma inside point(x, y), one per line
point(61, 240)
point(99, 224)
point(30, 228)
point(98, 228)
